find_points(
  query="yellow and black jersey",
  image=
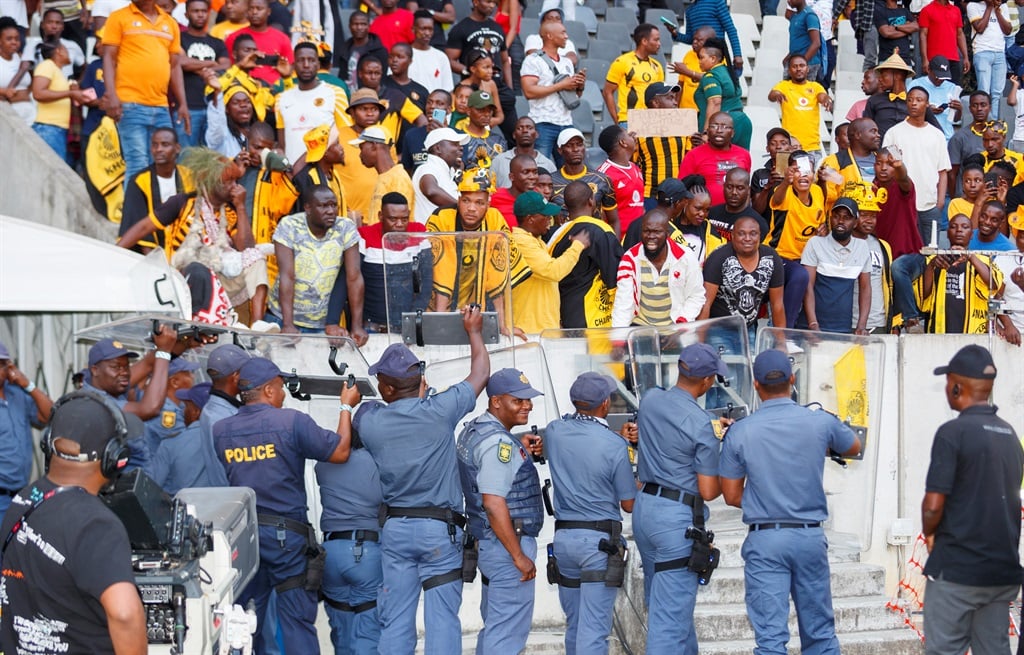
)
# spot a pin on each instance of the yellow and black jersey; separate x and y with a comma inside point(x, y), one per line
point(142, 199)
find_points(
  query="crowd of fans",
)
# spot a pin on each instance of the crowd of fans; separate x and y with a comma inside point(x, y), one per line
point(272, 157)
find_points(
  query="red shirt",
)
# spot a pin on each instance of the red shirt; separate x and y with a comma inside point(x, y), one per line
point(393, 28)
point(942, 24)
point(897, 222)
point(713, 165)
point(268, 42)
point(503, 201)
point(628, 183)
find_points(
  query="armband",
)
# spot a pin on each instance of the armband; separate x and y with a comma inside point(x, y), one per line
point(160, 354)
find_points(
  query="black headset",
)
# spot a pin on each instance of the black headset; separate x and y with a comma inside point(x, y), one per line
point(114, 457)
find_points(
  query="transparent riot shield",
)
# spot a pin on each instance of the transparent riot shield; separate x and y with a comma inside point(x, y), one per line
point(422, 281)
point(841, 374)
point(654, 357)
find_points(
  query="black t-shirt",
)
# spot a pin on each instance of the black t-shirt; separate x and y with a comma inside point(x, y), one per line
point(600, 260)
point(893, 17)
point(1014, 198)
point(741, 293)
point(439, 40)
point(977, 463)
point(72, 550)
point(204, 48)
point(412, 90)
point(487, 35)
point(956, 297)
point(722, 220)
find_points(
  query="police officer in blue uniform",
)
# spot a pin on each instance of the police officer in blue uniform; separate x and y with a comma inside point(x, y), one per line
point(504, 510)
point(412, 440)
point(222, 366)
point(780, 452)
point(678, 470)
point(110, 374)
point(174, 463)
point(22, 406)
point(351, 496)
point(265, 447)
point(592, 480)
point(170, 422)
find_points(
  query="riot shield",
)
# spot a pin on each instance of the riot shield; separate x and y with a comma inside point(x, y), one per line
point(422, 281)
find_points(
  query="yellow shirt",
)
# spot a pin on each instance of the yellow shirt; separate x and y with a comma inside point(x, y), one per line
point(536, 303)
point(689, 87)
point(960, 206)
point(57, 112)
point(397, 180)
point(632, 75)
point(801, 221)
point(223, 30)
point(358, 180)
point(144, 49)
point(801, 113)
point(1011, 157)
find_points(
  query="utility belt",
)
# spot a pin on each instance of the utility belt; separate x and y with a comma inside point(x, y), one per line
point(358, 536)
point(471, 552)
point(704, 557)
point(754, 527)
point(11, 493)
point(452, 518)
point(614, 573)
point(316, 556)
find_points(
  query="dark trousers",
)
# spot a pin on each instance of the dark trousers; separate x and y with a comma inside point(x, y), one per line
point(795, 287)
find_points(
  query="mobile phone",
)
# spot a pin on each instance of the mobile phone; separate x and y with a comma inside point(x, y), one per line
point(268, 60)
point(439, 115)
point(943, 106)
point(803, 164)
point(781, 163)
point(669, 24)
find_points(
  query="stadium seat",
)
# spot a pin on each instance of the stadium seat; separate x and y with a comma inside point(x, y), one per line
point(522, 106)
point(653, 16)
point(775, 29)
point(578, 33)
point(532, 10)
point(595, 156)
point(616, 33)
point(747, 29)
point(586, 15)
point(750, 8)
point(528, 26)
point(592, 94)
point(583, 119)
point(599, 7)
point(597, 69)
point(605, 49)
point(621, 16)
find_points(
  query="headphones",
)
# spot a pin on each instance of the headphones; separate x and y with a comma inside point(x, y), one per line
point(114, 457)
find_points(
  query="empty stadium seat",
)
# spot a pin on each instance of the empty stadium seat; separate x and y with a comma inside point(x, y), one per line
point(622, 16)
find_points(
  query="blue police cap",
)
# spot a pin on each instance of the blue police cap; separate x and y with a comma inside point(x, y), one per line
point(591, 389)
point(511, 382)
point(108, 349)
point(4, 353)
point(181, 365)
point(772, 367)
point(197, 394)
point(700, 360)
point(225, 360)
point(397, 361)
point(258, 371)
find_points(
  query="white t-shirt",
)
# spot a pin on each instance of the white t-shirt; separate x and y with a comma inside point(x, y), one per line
point(924, 155)
point(534, 42)
point(8, 69)
point(15, 9)
point(1018, 125)
point(876, 316)
point(992, 39)
point(442, 174)
point(1013, 296)
point(823, 10)
point(301, 111)
point(550, 108)
point(167, 186)
point(74, 51)
point(432, 69)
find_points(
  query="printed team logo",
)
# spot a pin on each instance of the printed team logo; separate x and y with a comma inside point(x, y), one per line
point(318, 102)
point(504, 452)
point(168, 419)
point(522, 378)
point(803, 101)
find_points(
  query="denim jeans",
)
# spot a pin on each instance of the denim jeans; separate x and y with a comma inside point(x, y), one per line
point(198, 136)
point(547, 137)
point(134, 130)
point(55, 137)
point(905, 270)
point(990, 68)
point(924, 226)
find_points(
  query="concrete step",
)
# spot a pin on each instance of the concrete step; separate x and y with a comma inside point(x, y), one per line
point(848, 579)
point(902, 641)
point(539, 641)
point(858, 614)
point(841, 547)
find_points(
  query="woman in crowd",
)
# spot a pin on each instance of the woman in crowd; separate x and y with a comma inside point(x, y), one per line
point(15, 75)
point(53, 94)
point(719, 90)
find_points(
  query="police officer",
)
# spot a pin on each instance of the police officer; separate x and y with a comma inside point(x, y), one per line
point(110, 374)
point(171, 420)
point(22, 406)
point(412, 441)
point(780, 451)
point(174, 462)
point(222, 366)
point(592, 479)
point(266, 447)
point(678, 470)
point(351, 496)
point(504, 510)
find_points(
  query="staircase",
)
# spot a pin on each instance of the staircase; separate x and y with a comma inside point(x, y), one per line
point(863, 624)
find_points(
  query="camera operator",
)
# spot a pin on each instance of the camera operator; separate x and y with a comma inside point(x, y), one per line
point(678, 470)
point(780, 451)
point(67, 581)
point(265, 447)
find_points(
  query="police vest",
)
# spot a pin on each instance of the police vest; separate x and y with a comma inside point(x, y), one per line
point(523, 499)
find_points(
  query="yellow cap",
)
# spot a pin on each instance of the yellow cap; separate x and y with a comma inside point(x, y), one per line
point(318, 140)
point(477, 179)
point(864, 194)
point(1016, 220)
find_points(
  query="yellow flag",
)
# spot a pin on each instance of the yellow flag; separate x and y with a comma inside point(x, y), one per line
point(852, 386)
point(105, 167)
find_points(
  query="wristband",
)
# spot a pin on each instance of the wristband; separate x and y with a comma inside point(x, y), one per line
point(30, 387)
point(345, 407)
point(160, 354)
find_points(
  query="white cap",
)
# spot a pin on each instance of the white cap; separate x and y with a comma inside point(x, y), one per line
point(444, 134)
point(372, 134)
point(571, 133)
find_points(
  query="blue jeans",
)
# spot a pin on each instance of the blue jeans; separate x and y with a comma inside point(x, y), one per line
point(769, 7)
point(55, 137)
point(134, 130)
point(198, 136)
point(924, 226)
point(507, 603)
point(990, 69)
point(794, 289)
point(547, 138)
point(784, 561)
point(905, 270)
point(588, 608)
point(353, 581)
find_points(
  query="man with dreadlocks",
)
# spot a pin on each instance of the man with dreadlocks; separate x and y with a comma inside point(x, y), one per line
point(211, 228)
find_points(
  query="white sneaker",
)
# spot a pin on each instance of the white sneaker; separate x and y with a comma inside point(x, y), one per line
point(265, 326)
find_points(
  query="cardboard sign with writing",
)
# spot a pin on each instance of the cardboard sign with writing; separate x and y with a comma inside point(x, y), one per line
point(663, 122)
